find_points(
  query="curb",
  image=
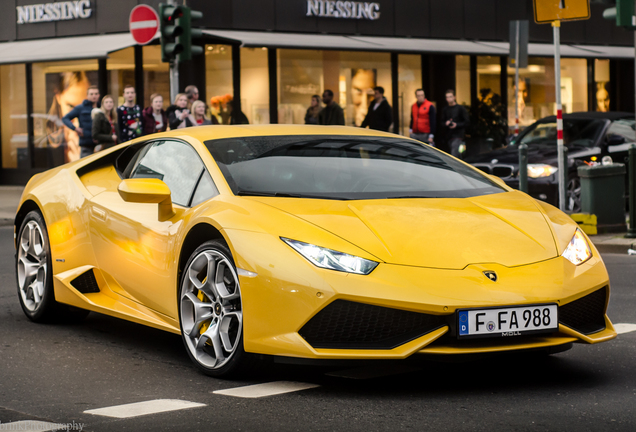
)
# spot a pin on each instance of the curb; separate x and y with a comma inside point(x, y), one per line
point(613, 248)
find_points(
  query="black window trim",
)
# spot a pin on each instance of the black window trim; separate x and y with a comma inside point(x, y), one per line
point(146, 144)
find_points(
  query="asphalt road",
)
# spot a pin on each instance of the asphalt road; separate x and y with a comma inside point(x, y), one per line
point(54, 373)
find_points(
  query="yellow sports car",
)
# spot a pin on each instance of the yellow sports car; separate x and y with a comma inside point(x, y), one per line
point(306, 242)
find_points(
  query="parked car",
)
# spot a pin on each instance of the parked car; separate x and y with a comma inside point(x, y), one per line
point(590, 137)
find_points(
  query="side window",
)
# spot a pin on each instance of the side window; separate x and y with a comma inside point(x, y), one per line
point(176, 163)
point(205, 190)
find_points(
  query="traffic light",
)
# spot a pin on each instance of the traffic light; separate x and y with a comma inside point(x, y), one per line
point(171, 30)
point(189, 33)
point(623, 13)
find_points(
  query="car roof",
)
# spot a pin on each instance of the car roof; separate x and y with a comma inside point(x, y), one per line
point(205, 133)
point(612, 115)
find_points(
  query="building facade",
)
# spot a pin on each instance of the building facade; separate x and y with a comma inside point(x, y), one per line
point(270, 56)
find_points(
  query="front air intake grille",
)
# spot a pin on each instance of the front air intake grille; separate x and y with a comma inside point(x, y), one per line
point(484, 168)
point(502, 171)
point(349, 325)
point(587, 314)
point(86, 283)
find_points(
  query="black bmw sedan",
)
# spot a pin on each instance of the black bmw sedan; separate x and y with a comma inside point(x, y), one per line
point(590, 137)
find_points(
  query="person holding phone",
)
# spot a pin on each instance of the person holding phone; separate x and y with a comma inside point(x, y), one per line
point(455, 121)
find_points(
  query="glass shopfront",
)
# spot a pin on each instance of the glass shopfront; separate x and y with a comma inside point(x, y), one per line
point(350, 75)
point(409, 80)
point(13, 115)
point(57, 88)
point(218, 80)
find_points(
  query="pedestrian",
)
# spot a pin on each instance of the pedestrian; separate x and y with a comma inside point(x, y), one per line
point(423, 119)
point(193, 95)
point(332, 113)
point(311, 117)
point(379, 115)
point(129, 116)
point(154, 117)
point(178, 114)
point(236, 115)
point(455, 120)
point(198, 112)
point(83, 114)
point(105, 131)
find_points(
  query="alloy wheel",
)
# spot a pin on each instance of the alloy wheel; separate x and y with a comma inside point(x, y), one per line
point(574, 195)
point(211, 309)
point(32, 266)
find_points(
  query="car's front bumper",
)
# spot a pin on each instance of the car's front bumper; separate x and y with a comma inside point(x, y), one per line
point(287, 291)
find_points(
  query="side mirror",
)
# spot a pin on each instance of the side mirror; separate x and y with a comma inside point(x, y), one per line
point(148, 190)
point(613, 139)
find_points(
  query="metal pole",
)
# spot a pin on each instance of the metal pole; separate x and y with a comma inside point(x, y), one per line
point(556, 26)
point(523, 167)
point(517, 79)
point(631, 232)
point(174, 70)
point(174, 79)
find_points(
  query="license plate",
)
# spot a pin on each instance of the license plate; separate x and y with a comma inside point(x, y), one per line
point(509, 321)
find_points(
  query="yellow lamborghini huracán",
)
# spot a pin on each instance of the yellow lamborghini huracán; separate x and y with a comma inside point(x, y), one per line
point(306, 242)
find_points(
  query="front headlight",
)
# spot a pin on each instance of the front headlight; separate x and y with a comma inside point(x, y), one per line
point(540, 170)
point(331, 259)
point(578, 251)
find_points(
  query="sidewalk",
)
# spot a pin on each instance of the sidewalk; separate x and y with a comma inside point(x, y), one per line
point(605, 243)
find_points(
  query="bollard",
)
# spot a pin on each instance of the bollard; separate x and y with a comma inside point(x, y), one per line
point(523, 167)
point(631, 232)
point(564, 177)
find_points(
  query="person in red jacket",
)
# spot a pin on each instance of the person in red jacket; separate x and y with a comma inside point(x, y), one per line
point(423, 119)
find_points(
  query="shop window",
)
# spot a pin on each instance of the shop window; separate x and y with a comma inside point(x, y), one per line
point(218, 78)
point(536, 96)
point(121, 72)
point(489, 125)
point(255, 85)
point(602, 81)
point(13, 117)
point(462, 79)
point(156, 76)
point(57, 88)
point(350, 75)
point(409, 80)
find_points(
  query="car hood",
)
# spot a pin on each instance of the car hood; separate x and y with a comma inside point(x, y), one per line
point(450, 233)
point(537, 153)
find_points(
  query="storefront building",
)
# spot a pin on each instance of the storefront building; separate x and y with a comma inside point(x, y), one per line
point(271, 56)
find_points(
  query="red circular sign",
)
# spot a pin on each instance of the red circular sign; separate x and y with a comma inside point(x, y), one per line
point(143, 24)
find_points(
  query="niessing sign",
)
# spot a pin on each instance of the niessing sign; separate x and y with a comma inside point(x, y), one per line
point(343, 9)
point(57, 11)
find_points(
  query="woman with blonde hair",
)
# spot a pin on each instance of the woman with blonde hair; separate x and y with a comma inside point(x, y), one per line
point(105, 128)
point(198, 112)
point(179, 115)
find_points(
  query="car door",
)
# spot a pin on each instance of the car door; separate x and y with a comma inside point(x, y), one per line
point(134, 247)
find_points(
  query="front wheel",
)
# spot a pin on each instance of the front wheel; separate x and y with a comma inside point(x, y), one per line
point(211, 311)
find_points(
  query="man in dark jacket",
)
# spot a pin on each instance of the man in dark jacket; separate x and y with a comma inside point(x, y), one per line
point(332, 114)
point(455, 120)
point(379, 116)
point(83, 114)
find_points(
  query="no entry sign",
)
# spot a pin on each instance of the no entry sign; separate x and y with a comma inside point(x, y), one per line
point(143, 23)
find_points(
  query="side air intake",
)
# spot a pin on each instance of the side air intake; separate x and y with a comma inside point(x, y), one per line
point(86, 283)
point(587, 314)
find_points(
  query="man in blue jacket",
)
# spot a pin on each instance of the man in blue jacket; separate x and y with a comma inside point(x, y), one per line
point(83, 114)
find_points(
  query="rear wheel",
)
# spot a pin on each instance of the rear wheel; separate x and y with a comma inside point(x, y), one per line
point(211, 312)
point(35, 274)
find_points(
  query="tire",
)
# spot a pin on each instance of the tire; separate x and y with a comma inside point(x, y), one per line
point(34, 274)
point(211, 314)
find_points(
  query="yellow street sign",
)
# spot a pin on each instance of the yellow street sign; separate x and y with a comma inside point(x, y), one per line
point(547, 11)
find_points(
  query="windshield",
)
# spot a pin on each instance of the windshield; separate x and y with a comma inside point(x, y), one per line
point(576, 132)
point(344, 168)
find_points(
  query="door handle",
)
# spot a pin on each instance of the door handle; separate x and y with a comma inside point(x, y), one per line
point(99, 214)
